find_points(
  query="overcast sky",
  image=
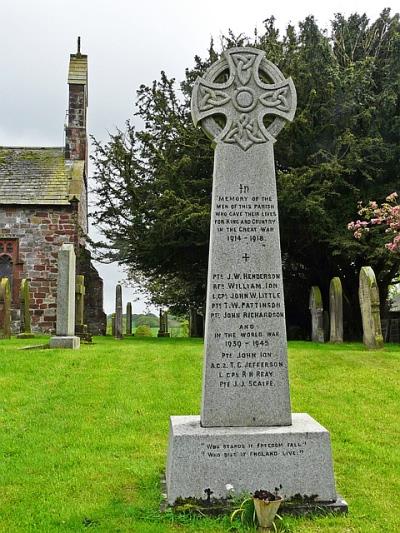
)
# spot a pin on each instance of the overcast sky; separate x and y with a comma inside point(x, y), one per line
point(128, 43)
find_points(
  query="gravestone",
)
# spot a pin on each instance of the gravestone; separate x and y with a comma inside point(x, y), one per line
point(24, 298)
point(336, 310)
point(163, 326)
point(370, 309)
point(317, 315)
point(394, 330)
point(118, 312)
point(129, 319)
point(81, 329)
point(79, 300)
point(113, 324)
point(246, 436)
point(65, 324)
point(5, 308)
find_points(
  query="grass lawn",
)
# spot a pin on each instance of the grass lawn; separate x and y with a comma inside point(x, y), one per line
point(83, 434)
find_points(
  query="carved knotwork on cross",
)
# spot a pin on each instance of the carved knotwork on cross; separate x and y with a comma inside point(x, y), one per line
point(244, 99)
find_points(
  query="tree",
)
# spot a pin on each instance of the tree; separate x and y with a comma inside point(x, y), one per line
point(154, 185)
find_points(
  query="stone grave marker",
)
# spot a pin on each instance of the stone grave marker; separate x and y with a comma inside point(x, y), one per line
point(118, 312)
point(163, 328)
point(336, 310)
point(65, 324)
point(81, 329)
point(317, 315)
point(129, 319)
point(246, 436)
point(370, 309)
point(24, 298)
point(113, 324)
point(5, 308)
point(79, 300)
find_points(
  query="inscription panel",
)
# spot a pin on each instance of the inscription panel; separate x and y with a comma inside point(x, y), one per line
point(296, 458)
point(245, 371)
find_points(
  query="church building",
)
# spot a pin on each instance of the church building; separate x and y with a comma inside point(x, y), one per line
point(44, 204)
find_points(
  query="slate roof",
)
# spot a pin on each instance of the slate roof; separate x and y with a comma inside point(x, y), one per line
point(40, 176)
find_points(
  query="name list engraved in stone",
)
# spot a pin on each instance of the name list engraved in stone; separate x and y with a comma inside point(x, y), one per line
point(241, 297)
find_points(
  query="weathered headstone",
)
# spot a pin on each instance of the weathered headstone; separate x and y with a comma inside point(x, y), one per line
point(25, 314)
point(79, 300)
point(370, 312)
point(118, 312)
point(336, 310)
point(81, 329)
point(317, 315)
point(65, 324)
point(163, 327)
point(196, 323)
point(5, 308)
point(247, 436)
point(129, 318)
point(113, 324)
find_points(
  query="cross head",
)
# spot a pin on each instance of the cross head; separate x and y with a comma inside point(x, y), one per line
point(243, 99)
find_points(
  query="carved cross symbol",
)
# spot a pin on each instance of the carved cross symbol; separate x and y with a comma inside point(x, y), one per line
point(246, 257)
point(244, 99)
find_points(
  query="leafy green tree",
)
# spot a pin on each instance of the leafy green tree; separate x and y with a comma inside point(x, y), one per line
point(154, 185)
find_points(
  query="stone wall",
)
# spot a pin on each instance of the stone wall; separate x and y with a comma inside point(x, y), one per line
point(94, 316)
point(40, 232)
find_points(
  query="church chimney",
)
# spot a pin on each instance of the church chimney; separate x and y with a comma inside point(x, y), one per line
point(75, 131)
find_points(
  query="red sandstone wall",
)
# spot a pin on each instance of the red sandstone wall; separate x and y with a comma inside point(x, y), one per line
point(40, 232)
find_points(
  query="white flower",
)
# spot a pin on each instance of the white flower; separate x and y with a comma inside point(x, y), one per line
point(229, 488)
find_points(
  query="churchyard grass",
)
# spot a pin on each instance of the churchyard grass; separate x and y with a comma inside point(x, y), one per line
point(83, 434)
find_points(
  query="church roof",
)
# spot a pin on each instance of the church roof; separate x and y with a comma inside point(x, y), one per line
point(38, 176)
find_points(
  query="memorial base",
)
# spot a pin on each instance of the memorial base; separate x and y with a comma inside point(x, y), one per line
point(71, 342)
point(296, 459)
point(163, 334)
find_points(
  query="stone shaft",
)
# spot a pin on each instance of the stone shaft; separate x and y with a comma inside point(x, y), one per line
point(245, 378)
point(370, 309)
point(5, 308)
point(25, 307)
point(80, 300)
point(118, 312)
point(316, 307)
point(66, 291)
point(336, 310)
point(129, 318)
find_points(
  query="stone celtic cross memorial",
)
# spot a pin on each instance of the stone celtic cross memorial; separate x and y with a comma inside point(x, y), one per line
point(246, 436)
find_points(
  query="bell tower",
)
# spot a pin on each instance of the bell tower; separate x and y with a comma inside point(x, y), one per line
point(75, 132)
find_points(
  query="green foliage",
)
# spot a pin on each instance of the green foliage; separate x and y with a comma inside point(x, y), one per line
point(143, 331)
point(154, 185)
point(245, 512)
point(146, 320)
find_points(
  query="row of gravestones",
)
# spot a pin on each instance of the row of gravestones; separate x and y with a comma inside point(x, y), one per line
point(369, 305)
point(70, 327)
point(117, 322)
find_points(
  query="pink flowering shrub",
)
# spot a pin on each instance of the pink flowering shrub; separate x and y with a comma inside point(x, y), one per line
point(387, 214)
